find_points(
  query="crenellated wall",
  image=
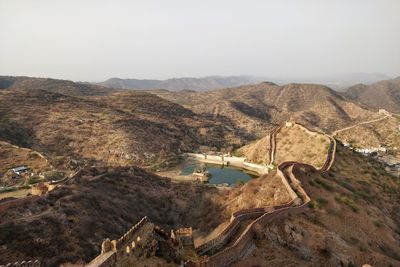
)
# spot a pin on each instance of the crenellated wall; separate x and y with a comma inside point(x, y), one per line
point(30, 263)
point(244, 244)
point(231, 161)
point(130, 233)
point(224, 249)
point(112, 250)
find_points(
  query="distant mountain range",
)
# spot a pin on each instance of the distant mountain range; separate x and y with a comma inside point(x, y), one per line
point(383, 94)
point(336, 82)
point(177, 84)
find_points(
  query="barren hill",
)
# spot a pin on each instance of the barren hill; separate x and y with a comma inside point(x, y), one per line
point(293, 143)
point(120, 129)
point(74, 218)
point(175, 84)
point(71, 221)
point(257, 107)
point(354, 220)
point(382, 133)
point(380, 95)
point(13, 156)
point(52, 85)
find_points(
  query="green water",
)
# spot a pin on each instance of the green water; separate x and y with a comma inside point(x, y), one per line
point(221, 175)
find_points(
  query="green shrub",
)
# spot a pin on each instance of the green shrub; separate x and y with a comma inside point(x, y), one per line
point(33, 180)
point(238, 153)
point(347, 185)
point(378, 223)
point(55, 175)
point(324, 185)
point(321, 201)
point(348, 202)
point(8, 189)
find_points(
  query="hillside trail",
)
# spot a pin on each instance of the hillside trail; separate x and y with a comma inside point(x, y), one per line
point(239, 236)
point(361, 123)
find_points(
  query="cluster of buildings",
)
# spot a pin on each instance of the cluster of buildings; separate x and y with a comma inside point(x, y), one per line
point(392, 165)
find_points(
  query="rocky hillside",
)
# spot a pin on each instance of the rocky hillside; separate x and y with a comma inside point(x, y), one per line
point(13, 156)
point(72, 220)
point(293, 143)
point(383, 94)
point(382, 133)
point(175, 84)
point(257, 107)
point(354, 219)
point(52, 85)
point(121, 128)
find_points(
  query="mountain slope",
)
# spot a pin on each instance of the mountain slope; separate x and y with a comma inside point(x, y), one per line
point(380, 95)
point(52, 85)
point(175, 84)
point(72, 220)
point(257, 107)
point(354, 216)
point(120, 129)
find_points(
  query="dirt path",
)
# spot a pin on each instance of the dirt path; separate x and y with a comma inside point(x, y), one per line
point(361, 123)
point(227, 248)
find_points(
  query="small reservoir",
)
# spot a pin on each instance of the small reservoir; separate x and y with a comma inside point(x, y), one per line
point(220, 174)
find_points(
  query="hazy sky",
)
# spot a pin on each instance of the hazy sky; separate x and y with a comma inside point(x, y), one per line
point(95, 40)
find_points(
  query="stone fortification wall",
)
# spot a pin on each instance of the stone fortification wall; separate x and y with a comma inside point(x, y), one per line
point(244, 244)
point(231, 161)
point(31, 263)
point(112, 250)
point(123, 240)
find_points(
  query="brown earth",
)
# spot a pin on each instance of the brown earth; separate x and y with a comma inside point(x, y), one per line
point(70, 222)
point(53, 85)
point(380, 95)
point(355, 213)
point(13, 156)
point(257, 151)
point(257, 107)
point(384, 133)
point(294, 143)
point(354, 220)
point(118, 129)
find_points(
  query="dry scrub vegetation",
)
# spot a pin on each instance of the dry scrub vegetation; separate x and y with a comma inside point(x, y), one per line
point(70, 222)
point(257, 108)
point(295, 144)
point(382, 133)
point(355, 219)
point(117, 129)
point(258, 151)
point(12, 156)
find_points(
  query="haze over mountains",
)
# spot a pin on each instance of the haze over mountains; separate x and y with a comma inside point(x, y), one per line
point(197, 84)
point(257, 107)
point(339, 82)
point(383, 94)
point(119, 136)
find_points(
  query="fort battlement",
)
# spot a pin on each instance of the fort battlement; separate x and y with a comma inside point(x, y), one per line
point(244, 244)
point(231, 161)
point(112, 250)
point(224, 249)
point(130, 233)
point(30, 263)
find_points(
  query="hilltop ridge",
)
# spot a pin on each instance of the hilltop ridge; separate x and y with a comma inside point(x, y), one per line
point(258, 107)
point(185, 83)
point(384, 94)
